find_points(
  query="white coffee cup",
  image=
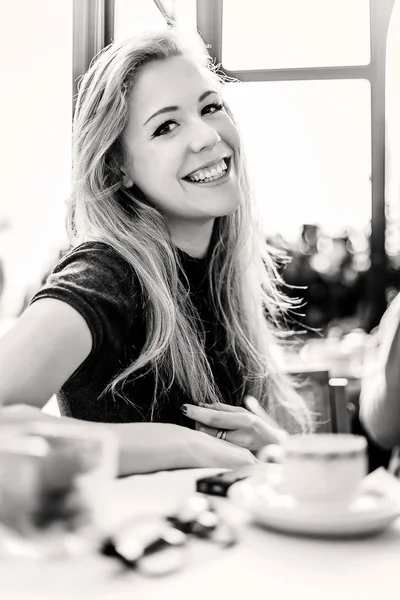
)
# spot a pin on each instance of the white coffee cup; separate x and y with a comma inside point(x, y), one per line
point(320, 468)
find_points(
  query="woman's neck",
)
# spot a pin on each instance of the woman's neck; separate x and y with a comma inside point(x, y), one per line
point(193, 239)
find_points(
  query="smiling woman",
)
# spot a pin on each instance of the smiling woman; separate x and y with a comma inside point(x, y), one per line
point(169, 296)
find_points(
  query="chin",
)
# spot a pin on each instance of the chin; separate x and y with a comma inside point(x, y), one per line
point(222, 209)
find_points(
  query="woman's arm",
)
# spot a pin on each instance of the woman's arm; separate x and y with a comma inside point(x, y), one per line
point(46, 345)
point(380, 390)
point(41, 351)
point(148, 447)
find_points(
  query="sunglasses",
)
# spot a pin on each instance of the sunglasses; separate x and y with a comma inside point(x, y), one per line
point(157, 546)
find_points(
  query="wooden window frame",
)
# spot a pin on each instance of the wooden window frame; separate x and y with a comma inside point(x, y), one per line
point(93, 30)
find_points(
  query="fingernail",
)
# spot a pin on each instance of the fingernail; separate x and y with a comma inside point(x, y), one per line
point(184, 409)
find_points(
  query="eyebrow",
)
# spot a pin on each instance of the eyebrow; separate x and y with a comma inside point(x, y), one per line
point(166, 109)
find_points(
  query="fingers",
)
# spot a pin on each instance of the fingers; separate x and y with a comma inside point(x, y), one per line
point(223, 407)
point(255, 407)
point(233, 437)
point(238, 438)
point(205, 429)
point(276, 434)
point(218, 419)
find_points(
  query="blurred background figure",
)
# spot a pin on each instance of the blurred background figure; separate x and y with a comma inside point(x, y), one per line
point(380, 397)
point(330, 274)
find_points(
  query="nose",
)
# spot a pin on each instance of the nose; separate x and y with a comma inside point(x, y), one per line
point(203, 136)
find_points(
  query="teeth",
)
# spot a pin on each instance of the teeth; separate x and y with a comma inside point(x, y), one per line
point(210, 173)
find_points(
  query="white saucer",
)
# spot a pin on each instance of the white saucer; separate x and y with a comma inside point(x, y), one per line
point(368, 514)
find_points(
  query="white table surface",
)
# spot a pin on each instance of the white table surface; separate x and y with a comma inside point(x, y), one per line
point(264, 564)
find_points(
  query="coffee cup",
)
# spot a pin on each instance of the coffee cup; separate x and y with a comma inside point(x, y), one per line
point(321, 468)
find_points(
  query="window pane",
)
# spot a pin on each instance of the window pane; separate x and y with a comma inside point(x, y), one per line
point(35, 124)
point(135, 16)
point(308, 145)
point(284, 34)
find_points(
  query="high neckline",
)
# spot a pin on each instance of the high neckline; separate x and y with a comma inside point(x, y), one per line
point(185, 256)
point(194, 268)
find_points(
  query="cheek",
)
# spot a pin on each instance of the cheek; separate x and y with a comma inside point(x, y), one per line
point(157, 177)
point(230, 132)
point(161, 162)
point(148, 171)
point(233, 136)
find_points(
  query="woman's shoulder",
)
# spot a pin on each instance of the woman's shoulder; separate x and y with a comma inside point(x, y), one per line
point(98, 282)
point(91, 251)
point(93, 268)
point(99, 258)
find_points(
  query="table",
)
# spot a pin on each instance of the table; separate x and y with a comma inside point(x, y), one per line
point(264, 564)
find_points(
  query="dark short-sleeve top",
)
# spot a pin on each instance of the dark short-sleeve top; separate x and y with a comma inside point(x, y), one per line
point(100, 284)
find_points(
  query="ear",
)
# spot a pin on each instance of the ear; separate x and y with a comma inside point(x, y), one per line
point(126, 179)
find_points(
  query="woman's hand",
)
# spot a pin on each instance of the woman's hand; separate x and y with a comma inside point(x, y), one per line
point(241, 427)
point(202, 450)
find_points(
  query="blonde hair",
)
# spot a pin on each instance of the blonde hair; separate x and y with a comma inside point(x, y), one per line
point(242, 275)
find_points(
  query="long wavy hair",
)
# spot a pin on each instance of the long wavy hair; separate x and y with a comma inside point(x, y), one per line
point(244, 283)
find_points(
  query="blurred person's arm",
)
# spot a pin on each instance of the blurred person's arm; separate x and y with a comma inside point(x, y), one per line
point(380, 390)
point(39, 354)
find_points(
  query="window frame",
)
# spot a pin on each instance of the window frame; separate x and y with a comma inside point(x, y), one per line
point(93, 30)
point(209, 23)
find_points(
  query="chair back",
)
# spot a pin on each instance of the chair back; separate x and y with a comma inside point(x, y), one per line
point(326, 398)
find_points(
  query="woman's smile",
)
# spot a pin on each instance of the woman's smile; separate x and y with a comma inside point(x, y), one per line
point(215, 174)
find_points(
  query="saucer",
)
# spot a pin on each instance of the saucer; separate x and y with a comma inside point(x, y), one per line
point(369, 513)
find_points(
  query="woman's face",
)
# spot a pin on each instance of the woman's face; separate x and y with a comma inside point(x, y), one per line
point(180, 143)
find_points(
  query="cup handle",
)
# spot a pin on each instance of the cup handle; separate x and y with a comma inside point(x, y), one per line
point(273, 453)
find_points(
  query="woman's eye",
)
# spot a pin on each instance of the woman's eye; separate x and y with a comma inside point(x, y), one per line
point(165, 128)
point(210, 109)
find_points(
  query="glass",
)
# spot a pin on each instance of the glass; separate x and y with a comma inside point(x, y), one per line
point(308, 145)
point(134, 17)
point(288, 34)
point(54, 484)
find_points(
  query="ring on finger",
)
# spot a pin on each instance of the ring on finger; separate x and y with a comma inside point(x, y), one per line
point(221, 435)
